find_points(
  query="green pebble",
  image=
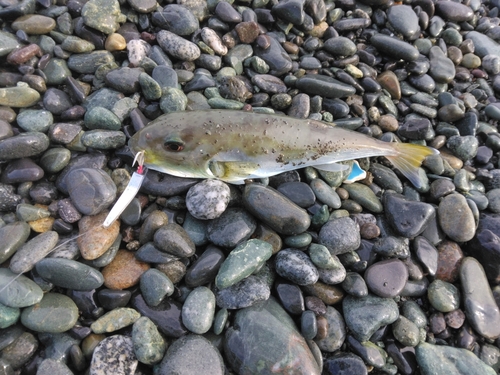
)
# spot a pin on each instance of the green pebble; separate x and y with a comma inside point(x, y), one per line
point(149, 344)
point(56, 72)
point(321, 256)
point(150, 88)
point(445, 360)
point(220, 321)
point(27, 212)
point(35, 120)
point(12, 236)
point(198, 310)
point(155, 286)
point(242, 261)
point(414, 313)
point(221, 103)
point(104, 139)
point(8, 316)
point(173, 100)
point(76, 45)
point(320, 217)
point(325, 193)
point(101, 118)
point(114, 320)
point(87, 63)
point(443, 296)
point(299, 240)
point(55, 159)
point(406, 332)
point(363, 195)
point(55, 313)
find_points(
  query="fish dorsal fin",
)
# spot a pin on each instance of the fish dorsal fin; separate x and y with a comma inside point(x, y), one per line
point(331, 167)
point(228, 170)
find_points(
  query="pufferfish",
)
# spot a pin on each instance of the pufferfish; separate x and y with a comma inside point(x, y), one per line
point(235, 146)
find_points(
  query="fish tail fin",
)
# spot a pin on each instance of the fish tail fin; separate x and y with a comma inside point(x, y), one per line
point(409, 158)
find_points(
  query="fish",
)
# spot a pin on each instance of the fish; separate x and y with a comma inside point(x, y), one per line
point(235, 146)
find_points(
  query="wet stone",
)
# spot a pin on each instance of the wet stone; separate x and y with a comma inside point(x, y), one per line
point(336, 334)
point(232, 227)
point(91, 190)
point(33, 251)
point(20, 292)
point(22, 170)
point(149, 345)
point(408, 218)
point(340, 235)
point(344, 364)
point(441, 359)
point(386, 278)
point(456, 218)
point(394, 47)
point(176, 18)
point(124, 271)
point(102, 118)
point(364, 196)
point(114, 355)
point(173, 239)
point(114, 320)
point(245, 293)
point(480, 308)
point(155, 286)
point(102, 15)
point(69, 274)
point(366, 315)
point(296, 266)
point(325, 86)
point(177, 46)
point(443, 296)
point(23, 145)
point(277, 331)
point(166, 316)
point(291, 297)
point(208, 199)
point(449, 259)
point(205, 268)
point(242, 261)
point(463, 147)
point(275, 210)
point(198, 310)
point(19, 352)
point(50, 366)
point(34, 24)
point(54, 313)
point(404, 20)
point(192, 354)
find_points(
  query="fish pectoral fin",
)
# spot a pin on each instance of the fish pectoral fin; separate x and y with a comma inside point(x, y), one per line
point(332, 167)
point(228, 170)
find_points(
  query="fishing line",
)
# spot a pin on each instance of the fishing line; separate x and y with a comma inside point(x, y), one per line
point(120, 205)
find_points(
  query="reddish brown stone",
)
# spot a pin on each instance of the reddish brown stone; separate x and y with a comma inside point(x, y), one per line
point(247, 31)
point(389, 81)
point(124, 271)
point(96, 239)
point(329, 294)
point(322, 324)
point(315, 304)
point(449, 259)
point(21, 55)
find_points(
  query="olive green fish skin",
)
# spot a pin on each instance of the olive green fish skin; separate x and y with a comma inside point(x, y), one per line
point(238, 145)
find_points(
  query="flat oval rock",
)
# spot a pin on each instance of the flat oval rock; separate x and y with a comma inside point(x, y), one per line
point(275, 210)
point(386, 278)
point(280, 344)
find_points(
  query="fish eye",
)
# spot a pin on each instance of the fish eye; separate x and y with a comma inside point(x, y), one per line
point(174, 146)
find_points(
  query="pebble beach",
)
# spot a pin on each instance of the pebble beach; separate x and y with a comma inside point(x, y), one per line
point(298, 273)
